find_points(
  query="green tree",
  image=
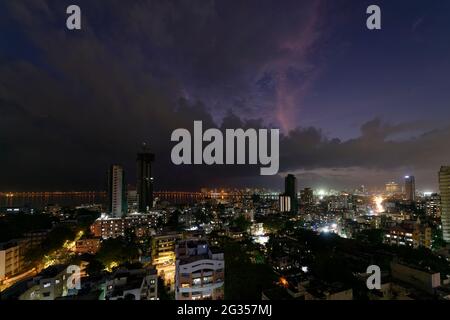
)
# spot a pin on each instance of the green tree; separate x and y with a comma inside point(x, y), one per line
point(95, 268)
point(117, 251)
point(163, 291)
point(57, 237)
point(241, 223)
point(240, 270)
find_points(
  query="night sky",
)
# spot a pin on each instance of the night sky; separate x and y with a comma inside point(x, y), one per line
point(355, 106)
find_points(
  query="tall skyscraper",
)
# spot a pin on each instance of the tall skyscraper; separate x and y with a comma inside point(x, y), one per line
point(117, 193)
point(410, 188)
point(145, 179)
point(290, 190)
point(444, 186)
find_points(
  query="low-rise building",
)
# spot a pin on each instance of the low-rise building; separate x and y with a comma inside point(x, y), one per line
point(425, 280)
point(235, 233)
point(35, 237)
point(410, 234)
point(390, 291)
point(305, 288)
point(50, 284)
point(335, 291)
point(87, 245)
point(108, 227)
point(139, 284)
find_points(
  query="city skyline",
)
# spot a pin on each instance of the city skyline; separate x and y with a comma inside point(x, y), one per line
point(349, 110)
point(246, 152)
point(117, 185)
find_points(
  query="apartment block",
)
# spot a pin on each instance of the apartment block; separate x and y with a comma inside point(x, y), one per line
point(199, 271)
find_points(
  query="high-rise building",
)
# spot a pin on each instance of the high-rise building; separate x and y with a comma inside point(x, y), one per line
point(199, 271)
point(392, 187)
point(290, 190)
point(444, 186)
point(145, 179)
point(307, 197)
point(284, 203)
point(117, 193)
point(433, 205)
point(133, 200)
point(163, 256)
point(410, 188)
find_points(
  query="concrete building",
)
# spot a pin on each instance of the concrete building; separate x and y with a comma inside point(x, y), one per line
point(11, 256)
point(140, 284)
point(145, 179)
point(133, 201)
point(50, 284)
point(88, 245)
point(284, 203)
point(307, 197)
point(117, 195)
point(392, 188)
point(290, 190)
point(338, 203)
point(163, 256)
point(199, 271)
point(424, 280)
point(444, 186)
point(410, 234)
point(301, 287)
point(390, 291)
point(111, 227)
point(53, 209)
point(35, 238)
point(433, 205)
point(329, 292)
point(410, 188)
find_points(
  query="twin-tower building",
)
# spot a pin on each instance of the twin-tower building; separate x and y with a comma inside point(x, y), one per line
point(117, 186)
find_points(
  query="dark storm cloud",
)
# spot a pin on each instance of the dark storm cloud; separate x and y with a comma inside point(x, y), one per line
point(376, 156)
point(72, 103)
point(88, 99)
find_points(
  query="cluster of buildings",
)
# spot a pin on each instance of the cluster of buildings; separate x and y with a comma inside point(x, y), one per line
point(400, 280)
point(142, 200)
point(12, 253)
point(400, 213)
point(192, 267)
point(59, 282)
